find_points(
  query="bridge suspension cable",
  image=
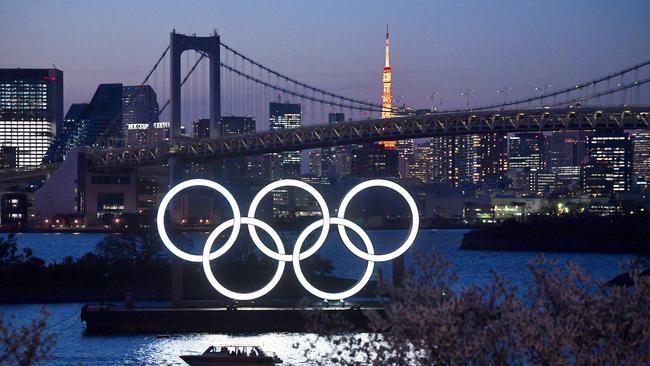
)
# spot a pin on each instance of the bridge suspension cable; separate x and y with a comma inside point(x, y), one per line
point(617, 89)
point(376, 107)
point(563, 91)
point(304, 96)
point(132, 96)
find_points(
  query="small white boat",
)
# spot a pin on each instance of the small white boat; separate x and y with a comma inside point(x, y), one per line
point(232, 356)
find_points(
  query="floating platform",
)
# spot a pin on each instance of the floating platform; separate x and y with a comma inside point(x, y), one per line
point(109, 320)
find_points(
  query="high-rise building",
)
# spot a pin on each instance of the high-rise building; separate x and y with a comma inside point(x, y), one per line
point(525, 151)
point(85, 124)
point(565, 155)
point(442, 162)
point(201, 128)
point(236, 125)
point(373, 160)
point(31, 111)
point(609, 166)
point(139, 113)
point(104, 118)
point(235, 168)
point(492, 154)
point(285, 116)
point(641, 158)
point(405, 157)
point(328, 154)
point(466, 160)
point(472, 159)
point(70, 135)
point(421, 164)
point(315, 163)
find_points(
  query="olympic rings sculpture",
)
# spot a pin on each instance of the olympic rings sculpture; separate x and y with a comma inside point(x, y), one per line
point(280, 255)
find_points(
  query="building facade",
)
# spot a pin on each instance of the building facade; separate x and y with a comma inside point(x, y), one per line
point(139, 112)
point(31, 111)
point(285, 116)
point(608, 169)
point(641, 158)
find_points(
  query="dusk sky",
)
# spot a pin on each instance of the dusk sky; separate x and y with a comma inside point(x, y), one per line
point(339, 45)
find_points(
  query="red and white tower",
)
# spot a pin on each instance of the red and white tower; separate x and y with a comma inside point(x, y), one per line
point(387, 96)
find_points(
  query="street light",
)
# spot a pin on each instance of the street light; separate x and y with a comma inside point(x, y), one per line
point(542, 91)
point(466, 94)
point(433, 103)
point(504, 91)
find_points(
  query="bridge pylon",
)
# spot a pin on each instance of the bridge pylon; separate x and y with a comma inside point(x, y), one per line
point(179, 43)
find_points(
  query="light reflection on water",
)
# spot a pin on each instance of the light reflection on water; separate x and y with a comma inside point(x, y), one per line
point(73, 347)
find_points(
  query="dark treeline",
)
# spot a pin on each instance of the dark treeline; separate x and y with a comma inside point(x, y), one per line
point(139, 264)
point(583, 233)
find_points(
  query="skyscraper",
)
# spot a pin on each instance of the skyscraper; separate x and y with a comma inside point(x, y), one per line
point(328, 154)
point(85, 123)
point(566, 153)
point(641, 158)
point(315, 163)
point(139, 113)
point(235, 168)
point(373, 160)
point(420, 166)
point(31, 111)
point(442, 161)
point(492, 154)
point(609, 165)
point(466, 160)
point(525, 151)
point(235, 125)
point(284, 116)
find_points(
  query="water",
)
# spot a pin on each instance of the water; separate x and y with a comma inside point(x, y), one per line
point(73, 347)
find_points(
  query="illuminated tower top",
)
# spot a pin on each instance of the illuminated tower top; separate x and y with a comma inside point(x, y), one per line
point(387, 96)
point(387, 64)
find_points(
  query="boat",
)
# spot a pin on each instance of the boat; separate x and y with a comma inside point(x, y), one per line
point(232, 356)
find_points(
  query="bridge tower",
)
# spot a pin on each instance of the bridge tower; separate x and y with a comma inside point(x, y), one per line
point(179, 43)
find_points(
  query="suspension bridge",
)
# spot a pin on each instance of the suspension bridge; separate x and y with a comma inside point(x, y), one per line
point(615, 101)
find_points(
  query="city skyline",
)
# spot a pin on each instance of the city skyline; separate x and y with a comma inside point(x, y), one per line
point(506, 53)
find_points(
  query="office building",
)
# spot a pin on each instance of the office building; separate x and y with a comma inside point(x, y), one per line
point(139, 113)
point(421, 165)
point(565, 155)
point(525, 151)
point(405, 157)
point(201, 128)
point(641, 158)
point(374, 160)
point(492, 155)
point(609, 165)
point(285, 116)
point(85, 124)
point(31, 111)
point(328, 154)
point(315, 163)
point(442, 160)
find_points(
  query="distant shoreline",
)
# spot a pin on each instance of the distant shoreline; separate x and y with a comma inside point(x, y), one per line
point(587, 234)
point(423, 225)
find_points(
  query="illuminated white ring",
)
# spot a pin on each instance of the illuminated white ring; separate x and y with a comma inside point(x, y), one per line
point(160, 218)
point(207, 256)
point(290, 183)
point(332, 295)
point(410, 239)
